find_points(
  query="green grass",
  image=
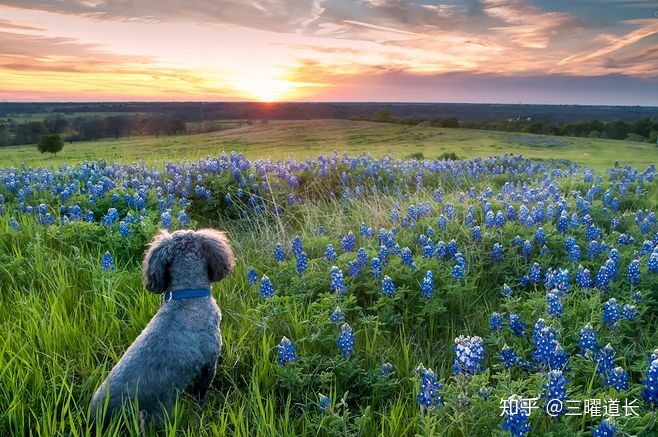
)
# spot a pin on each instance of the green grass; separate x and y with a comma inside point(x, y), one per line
point(303, 139)
point(64, 322)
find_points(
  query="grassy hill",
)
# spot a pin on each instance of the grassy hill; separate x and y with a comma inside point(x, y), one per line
point(303, 139)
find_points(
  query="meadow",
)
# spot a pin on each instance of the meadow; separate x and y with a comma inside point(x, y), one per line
point(374, 294)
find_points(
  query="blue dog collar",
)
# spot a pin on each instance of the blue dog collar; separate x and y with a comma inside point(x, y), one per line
point(186, 294)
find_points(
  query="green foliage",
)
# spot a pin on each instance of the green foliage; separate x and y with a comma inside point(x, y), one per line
point(51, 144)
point(382, 115)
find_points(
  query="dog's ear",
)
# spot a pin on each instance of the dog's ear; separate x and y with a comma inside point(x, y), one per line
point(217, 252)
point(156, 263)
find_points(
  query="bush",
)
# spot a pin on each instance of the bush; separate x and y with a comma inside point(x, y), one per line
point(50, 143)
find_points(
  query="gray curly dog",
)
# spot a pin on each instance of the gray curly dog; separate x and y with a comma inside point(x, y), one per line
point(180, 346)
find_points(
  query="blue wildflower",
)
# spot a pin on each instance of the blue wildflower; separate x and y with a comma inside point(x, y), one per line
point(610, 314)
point(629, 312)
point(516, 325)
point(407, 257)
point(388, 288)
point(469, 355)
point(278, 253)
point(506, 291)
point(348, 244)
point(337, 282)
point(324, 403)
point(286, 352)
point(617, 379)
point(346, 340)
point(14, 224)
point(165, 219)
point(252, 276)
point(497, 252)
point(302, 263)
point(556, 387)
point(296, 246)
point(266, 288)
point(496, 322)
point(387, 369)
point(337, 316)
point(607, 428)
point(587, 340)
point(430, 389)
point(583, 277)
point(554, 305)
point(427, 287)
point(107, 262)
point(330, 253)
point(650, 381)
point(517, 413)
point(634, 272)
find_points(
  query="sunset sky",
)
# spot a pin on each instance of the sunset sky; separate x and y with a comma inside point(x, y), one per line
point(507, 51)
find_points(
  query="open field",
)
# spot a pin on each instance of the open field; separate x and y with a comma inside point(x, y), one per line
point(459, 283)
point(302, 139)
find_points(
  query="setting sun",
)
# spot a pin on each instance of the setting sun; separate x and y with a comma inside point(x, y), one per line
point(265, 88)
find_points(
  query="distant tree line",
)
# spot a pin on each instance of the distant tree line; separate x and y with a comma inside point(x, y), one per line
point(640, 130)
point(89, 128)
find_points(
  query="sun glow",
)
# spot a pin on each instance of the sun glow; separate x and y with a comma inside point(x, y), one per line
point(265, 88)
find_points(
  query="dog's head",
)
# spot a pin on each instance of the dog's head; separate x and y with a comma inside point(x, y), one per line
point(209, 246)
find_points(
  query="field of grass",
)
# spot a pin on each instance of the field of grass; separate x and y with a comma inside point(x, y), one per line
point(303, 139)
point(66, 318)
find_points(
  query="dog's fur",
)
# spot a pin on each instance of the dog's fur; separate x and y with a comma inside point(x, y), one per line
point(180, 346)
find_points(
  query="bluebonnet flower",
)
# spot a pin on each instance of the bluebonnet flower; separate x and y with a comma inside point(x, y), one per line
point(452, 248)
point(252, 276)
point(610, 315)
point(376, 267)
point(111, 217)
point(107, 262)
point(337, 316)
point(428, 251)
point(337, 282)
point(587, 340)
point(124, 230)
point(593, 249)
point(593, 232)
point(535, 273)
point(556, 387)
point(183, 219)
point(650, 381)
point(554, 306)
point(407, 258)
point(526, 249)
point(441, 250)
point(496, 322)
point(469, 355)
point(625, 239)
point(617, 379)
point(387, 369)
point(165, 219)
point(89, 216)
point(489, 219)
point(296, 246)
point(605, 360)
point(382, 254)
point(583, 277)
point(497, 252)
point(506, 291)
point(430, 232)
point(517, 241)
point(603, 279)
point(348, 243)
point(362, 257)
point(330, 253)
point(430, 389)
point(510, 358)
point(266, 288)
point(442, 222)
point(652, 263)
point(499, 221)
point(517, 414)
point(562, 224)
point(354, 268)
point(516, 325)
point(458, 272)
point(14, 224)
point(629, 312)
point(286, 352)
point(324, 403)
point(540, 236)
point(302, 263)
point(607, 428)
point(634, 272)
point(346, 340)
point(388, 288)
point(575, 254)
point(476, 234)
point(427, 287)
point(278, 253)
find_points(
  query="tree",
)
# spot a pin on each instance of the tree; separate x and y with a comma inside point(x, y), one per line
point(382, 115)
point(50, 143)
